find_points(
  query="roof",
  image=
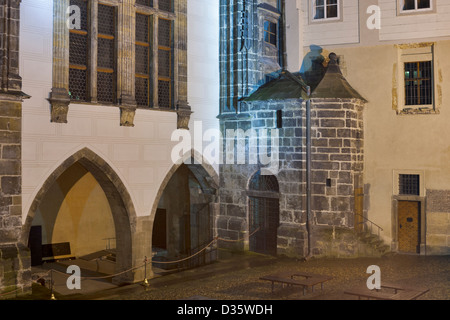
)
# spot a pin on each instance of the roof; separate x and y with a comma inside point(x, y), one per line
point(334, 84)
point(292, 86)
point(286, 86)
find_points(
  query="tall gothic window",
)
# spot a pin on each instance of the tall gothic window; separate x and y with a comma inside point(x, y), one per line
point(165, 63)
point(143, 60)
point(78, 55)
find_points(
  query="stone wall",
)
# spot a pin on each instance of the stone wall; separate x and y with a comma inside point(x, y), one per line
point(337, 164)
point(438, 222)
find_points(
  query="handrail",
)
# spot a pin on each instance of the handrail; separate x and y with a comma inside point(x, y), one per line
point(371, 223)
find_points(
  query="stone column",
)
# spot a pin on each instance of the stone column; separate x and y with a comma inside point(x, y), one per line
point(126, 62)
point(15, 264)
point(59, 97)
point(180, 69)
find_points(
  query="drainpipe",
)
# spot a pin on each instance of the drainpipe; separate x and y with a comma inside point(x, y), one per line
point(308, 170)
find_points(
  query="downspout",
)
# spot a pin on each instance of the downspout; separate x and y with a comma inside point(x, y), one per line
point(308, 170)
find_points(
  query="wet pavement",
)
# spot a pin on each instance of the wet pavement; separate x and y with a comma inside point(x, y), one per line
point(236, 277)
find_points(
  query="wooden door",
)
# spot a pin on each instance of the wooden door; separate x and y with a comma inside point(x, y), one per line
point(264, 222)
point(409, 226)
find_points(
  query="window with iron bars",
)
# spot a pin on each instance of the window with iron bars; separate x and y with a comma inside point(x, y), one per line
point(418, 83)
point(409, 184)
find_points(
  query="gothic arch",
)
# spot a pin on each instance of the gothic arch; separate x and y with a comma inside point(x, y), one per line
point(119, 199)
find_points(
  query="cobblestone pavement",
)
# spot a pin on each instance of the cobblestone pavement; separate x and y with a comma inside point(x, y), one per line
point(237, 278)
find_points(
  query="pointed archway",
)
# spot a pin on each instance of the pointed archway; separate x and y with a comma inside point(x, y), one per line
point(117, 197)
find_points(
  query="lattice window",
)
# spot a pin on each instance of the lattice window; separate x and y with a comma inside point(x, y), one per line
point(418, 83)
point(165, 5)
point(143, 65)
point(164, 63)
point(106, 72)
point(78, 58)
point(148, 3)
point(409, 184)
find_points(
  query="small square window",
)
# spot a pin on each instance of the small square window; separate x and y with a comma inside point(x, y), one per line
point(413, 5)
point(325, 9)
point(409, 184)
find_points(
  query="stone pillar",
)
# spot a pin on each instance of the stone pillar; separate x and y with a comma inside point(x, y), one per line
point(126, 62)
point(15, 264)
point(180, 51)
point(59, 97)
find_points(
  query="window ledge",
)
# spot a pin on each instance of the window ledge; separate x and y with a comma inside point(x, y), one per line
point(417, 110)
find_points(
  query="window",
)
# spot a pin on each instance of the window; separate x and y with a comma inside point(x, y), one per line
point(418, 83)
point(409, 5)
point(325, 9)
point(165, 63)
point(270, 32)
point(409, 184)
point(106, 57)
point(415, 86)
point(143, 60)
point(78, 57)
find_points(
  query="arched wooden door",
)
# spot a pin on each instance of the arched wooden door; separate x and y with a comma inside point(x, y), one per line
point(264, 213)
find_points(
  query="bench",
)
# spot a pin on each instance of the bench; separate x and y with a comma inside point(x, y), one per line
point(289, 278)
point(400, 292)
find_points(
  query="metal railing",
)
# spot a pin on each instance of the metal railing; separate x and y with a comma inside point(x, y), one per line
point(370, 223)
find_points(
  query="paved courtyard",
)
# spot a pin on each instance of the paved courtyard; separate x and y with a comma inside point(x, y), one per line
point(236, 277)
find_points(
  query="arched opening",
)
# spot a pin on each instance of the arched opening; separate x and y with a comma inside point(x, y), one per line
point(82, 212)
point(183, 224)
point(264, 213)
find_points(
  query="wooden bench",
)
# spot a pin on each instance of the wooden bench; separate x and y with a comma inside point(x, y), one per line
point(399, 292)
point(289, 278)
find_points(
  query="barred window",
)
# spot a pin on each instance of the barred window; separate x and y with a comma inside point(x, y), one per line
point(143, 64)
point(409, 184)
point(78, 58)
point(418, 83)
point(165, 63)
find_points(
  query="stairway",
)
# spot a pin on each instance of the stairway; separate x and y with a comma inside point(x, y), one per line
point(373, 244)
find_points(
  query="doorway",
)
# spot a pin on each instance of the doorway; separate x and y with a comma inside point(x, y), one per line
point(409, 226)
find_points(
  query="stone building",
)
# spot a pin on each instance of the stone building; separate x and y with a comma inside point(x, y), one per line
point(86, 151)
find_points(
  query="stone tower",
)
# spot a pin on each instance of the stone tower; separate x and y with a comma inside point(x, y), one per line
point(310, 136)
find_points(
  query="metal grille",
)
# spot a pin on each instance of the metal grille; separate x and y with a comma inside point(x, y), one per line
point(263, 224)
point(142, 92)
point(78, 49)
point(105, 87)
point(164, 94)
point(77, 84)
point(164, 63)
point(418, 83)
point(148, 3)
point(263, 183)
point(106, 20)
point(165, 33)
point(143, 65)
point(142, 27)
point(142, 59)
point(82, 4)
point(408, 184)
point(106, 73)
point(165, 5)
point(106, 53)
